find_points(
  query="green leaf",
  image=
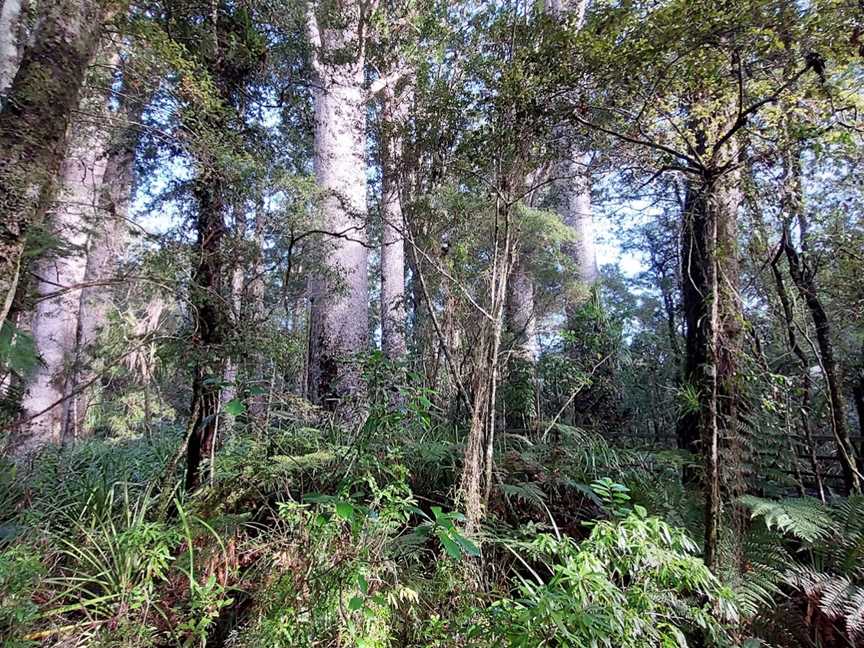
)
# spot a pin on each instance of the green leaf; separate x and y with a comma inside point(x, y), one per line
point(355, 603)
point(362, 583)
point(345, 510)
point(453, 550)
point(17, 349)
point(235, 407)
point(467, 546)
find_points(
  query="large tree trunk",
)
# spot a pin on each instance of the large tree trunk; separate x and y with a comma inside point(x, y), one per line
point(339, 326)
point(231, 375)
point(11, 13)
point(572, 187)
point(712, 316)
point(393, 312)
point(34, 120)
point(48, 406)
point(107, 241)
point(573, 203)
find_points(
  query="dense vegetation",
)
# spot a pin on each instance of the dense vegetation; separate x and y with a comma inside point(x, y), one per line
point(305, 343)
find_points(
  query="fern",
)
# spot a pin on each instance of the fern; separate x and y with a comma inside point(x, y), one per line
point(803, 518)
point(528, 492)
point(809, 551)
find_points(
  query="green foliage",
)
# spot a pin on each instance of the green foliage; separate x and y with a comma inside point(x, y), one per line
point(615, 497)
point(17, 350)
point(634, 582)
point(802, 518)
point(804, 551)
point(21, 571)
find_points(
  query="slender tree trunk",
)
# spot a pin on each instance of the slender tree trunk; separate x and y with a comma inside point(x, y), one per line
point(804, 278)
point(339, 324)
point(393, 312)
point(858, 396)
point(476, 480)
point(805, 282)
point(254, 312)
point(33, 122)
point(210, 322)
point(806, 387)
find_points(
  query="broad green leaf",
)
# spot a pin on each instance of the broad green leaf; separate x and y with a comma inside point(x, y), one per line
point(345, 510)
point(235, 407)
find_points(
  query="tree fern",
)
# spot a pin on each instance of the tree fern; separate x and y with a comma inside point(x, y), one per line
point(803, 518)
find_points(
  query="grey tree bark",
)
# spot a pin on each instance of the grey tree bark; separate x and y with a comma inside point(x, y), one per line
point(393, 311)
point(107, 239)
point(11, 12)
point(339, 300)
point(50, 414)
point(525, 350)
point(571, 190)
point(40, 101)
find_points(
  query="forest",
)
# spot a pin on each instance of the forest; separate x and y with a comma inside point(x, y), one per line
point(432, 323)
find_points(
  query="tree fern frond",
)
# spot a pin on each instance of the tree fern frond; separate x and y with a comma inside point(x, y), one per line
point(526, 492)
point(803, 518)
point(854, 613)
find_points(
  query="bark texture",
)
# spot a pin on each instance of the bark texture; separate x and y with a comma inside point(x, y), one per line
point(10, 40)
point(207, 297)
point(476, 479)
point(573, 203)
point(713, 324)
point(339, 326)
point(393, 312)
point(34, 119)
point(51, 413)
point(108, 236)
point(525, 351)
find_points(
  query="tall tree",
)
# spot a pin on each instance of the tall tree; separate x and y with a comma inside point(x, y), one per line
point(230, 49)
point(59, 277)
point(34, 119)
point(395, 107)
point(571, 189)
point(108, 235)
point(804, 278)
point(339, 325)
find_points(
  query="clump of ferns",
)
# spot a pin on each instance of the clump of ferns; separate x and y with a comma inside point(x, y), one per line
point(805, 558)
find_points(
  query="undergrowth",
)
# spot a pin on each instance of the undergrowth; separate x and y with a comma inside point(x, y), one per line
point(309, 536)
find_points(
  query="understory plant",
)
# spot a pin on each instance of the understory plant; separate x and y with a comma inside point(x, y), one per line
point(635, 582)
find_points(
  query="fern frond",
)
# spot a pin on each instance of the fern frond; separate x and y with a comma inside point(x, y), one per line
point(803, 518)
